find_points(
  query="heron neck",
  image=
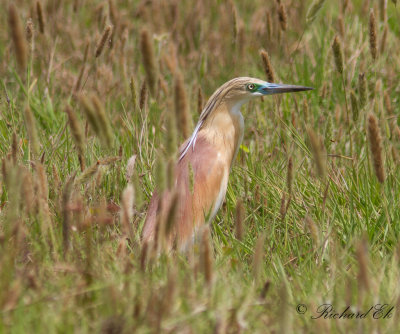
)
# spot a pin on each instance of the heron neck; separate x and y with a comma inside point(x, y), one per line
point(224, 128)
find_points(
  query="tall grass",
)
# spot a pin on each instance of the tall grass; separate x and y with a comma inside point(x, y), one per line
point(312, 207)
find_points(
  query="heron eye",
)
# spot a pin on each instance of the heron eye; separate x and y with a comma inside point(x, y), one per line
point(251, 87)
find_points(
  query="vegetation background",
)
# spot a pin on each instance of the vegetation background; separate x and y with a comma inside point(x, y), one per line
point(312, 208)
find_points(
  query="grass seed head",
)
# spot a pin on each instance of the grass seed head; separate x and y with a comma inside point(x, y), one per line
point(313, 10)
point(76, 130)
point(240, 212)
point(269, 25)
point(282, 16)
point(313, 230)
point(372, 35)
point(29, 31)
point(388, 104)
point(40, 15)
point(362, 90)
point(128, 199)
point(101, 43)
point(289, 176)
point(171, 134)
point(17, 34)
point(181, 107)
point(130, 168)
point(258, 256)
point(31, 129)
point(383, 39)
point(207, 256)
point(375, 141)
point(363, 259)
point(354, 105)
point(171, 215)
point(103, 122)
point(200, 101)
point(133, 94)
point(337, 54)
point(143, 96)
point(318, 151)
point(149, 60)
point(269, 71)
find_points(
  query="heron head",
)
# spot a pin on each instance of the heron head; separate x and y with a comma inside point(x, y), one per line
point(244, 88)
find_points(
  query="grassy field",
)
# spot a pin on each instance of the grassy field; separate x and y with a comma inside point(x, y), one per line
point(85, 85)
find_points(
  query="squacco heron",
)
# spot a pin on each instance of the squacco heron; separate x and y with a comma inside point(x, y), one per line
point(205, 160)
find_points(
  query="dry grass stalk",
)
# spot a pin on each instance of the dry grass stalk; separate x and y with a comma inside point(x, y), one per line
point(128, 198)
point(76, 130)
point(289, 176)
point(282, 16)
point(30, 124)
point(149, 60)
point(240, 212)
point(372, 35)
point(337, 54)
point(318, 151)
point(269, 71)
point(258, 256)
point(17, 33)
point(313, 10)
point(102, 41)
point(40, 15)
point(375, 141)
point(181, 107)
point(362, 90)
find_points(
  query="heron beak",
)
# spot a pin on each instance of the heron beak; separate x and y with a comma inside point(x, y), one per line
point(272, 88)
